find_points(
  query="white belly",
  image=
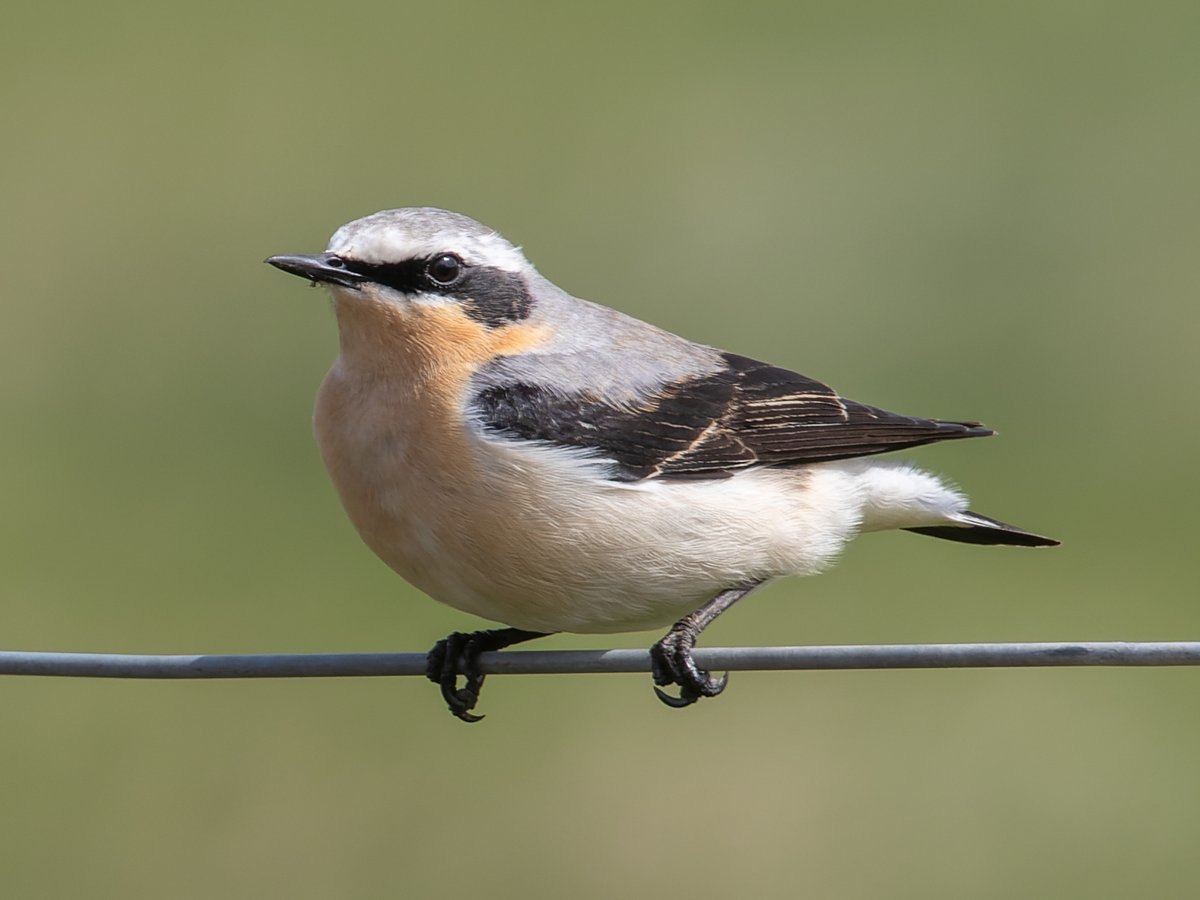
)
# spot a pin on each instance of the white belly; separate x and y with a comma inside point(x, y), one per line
point(536, 538)
point(559, 549)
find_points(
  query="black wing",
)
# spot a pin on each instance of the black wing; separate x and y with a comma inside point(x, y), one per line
point(746, 414)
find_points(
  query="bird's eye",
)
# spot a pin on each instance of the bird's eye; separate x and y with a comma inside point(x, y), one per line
point(335, 261)
point(445, 269)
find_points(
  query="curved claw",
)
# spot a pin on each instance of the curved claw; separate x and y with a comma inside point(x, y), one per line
point(458, 654)
point(716, 685)
point(690, 693)
point(671, 658)
point(461, 702)
point(442, 669)
point(672, 663)
point(466, 698)
point(684, 699)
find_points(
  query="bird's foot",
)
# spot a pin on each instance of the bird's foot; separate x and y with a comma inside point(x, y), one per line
point(672, 663)
point(442, 668)
point(458, 654)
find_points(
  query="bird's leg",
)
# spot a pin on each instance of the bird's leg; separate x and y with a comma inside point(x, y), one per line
point(671, 658)
point(442, 664)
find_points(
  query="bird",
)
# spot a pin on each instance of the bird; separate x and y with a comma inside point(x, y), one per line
point(555, 465)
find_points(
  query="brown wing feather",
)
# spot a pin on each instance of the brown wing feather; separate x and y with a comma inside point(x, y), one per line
point(712, 426)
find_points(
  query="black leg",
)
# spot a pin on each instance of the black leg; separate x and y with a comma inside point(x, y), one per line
point(442, 665)
point(671, 658)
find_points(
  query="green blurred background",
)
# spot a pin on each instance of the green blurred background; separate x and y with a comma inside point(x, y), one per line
point(958, 210)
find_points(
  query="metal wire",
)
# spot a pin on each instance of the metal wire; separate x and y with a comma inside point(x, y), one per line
point(552, 662)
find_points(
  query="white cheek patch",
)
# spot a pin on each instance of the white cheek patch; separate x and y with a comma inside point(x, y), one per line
point(430, 300)
point(383, 294)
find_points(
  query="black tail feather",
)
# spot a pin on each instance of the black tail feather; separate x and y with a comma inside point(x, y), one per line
point(977, 529)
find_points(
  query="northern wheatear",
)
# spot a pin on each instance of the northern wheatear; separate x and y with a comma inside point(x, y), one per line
point(541, 461)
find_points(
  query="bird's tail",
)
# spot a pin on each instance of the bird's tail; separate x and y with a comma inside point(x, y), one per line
point(972, 528)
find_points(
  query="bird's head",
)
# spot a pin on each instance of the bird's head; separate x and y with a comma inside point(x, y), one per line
point(420, 275)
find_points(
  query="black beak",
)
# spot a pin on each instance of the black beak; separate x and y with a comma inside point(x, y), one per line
point(324, 267)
